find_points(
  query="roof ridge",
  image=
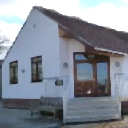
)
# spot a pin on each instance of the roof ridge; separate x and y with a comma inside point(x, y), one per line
point(40, 7)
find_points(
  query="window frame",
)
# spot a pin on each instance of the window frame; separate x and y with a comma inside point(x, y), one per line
point(13, 81)
point(37, 68)
point(97, 59)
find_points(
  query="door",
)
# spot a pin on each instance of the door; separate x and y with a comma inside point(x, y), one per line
point(91, 75)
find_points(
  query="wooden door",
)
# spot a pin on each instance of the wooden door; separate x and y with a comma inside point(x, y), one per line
point(91, 76)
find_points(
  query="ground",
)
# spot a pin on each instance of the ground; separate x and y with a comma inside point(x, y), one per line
point(112, 124)
point(14, 118)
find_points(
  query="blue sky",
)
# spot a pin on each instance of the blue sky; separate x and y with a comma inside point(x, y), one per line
point(93, 3)
point(110, 13)
point(11, 19)
point(83, 3)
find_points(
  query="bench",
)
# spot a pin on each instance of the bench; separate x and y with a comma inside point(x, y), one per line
point(49, 104)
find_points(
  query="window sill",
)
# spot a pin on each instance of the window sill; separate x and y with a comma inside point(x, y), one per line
point(36, 81)
point(13, 83)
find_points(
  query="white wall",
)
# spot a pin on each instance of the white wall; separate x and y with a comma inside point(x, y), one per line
point(74, 46)
point(115, 70)
point(123, 80)
point(67, 48)
point(42, 40)
point(64, 58)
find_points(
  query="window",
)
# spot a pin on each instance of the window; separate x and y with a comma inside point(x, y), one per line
point(91, 75)
point(102, 77)
point(14, 72)
point(84, 57)
point(36, 69)
point(80, 57)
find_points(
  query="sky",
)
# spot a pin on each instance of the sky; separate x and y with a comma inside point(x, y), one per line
point(109, 13)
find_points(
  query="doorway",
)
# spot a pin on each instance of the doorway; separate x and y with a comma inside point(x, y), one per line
point(91, 75)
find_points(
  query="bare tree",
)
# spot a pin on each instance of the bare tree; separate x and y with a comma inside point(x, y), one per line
point(4, 43)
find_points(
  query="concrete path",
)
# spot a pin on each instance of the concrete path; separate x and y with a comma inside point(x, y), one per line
point(14, 118)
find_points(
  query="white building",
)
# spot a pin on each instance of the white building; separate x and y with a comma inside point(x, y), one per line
point(87, 57)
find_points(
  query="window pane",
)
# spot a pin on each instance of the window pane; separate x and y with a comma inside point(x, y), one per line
point(84, 72)
point(34, 71)
point(14, 72)
point(102, 77)
point(37, 59)
point(40, 75)
point(11, 75)
point(84, 79)
point(14, 64)
point(80, 57)
point(37, 69)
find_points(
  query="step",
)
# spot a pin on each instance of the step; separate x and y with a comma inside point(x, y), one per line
point(92, 107)
point(92, 112)
point(93, 99)
point(91, 118)
point(90, 103)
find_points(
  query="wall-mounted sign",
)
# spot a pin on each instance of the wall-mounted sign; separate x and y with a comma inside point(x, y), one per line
point(59, 82)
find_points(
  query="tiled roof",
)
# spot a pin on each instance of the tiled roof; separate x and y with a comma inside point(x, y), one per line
point(94, 35)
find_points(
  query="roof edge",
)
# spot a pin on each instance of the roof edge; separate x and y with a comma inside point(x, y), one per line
point(111, 51)
point(80, 39)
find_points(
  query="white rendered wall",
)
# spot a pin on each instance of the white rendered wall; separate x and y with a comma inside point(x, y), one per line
point(123, 80)
point(115, 70)
point(67, 48)
point(43, 39)
point(38, 37)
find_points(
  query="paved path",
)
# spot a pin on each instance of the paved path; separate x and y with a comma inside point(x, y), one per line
point(14, 118)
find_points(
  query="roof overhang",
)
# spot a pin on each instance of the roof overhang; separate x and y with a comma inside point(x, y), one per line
point(104, 53)
point(66, 33)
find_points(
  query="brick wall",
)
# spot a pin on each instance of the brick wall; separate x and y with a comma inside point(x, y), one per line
point(26, 103)
point(19, 103)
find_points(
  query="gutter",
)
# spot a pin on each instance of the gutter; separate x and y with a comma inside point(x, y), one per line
point(106, 50)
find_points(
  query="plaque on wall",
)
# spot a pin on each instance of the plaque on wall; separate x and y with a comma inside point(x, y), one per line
point(59, 82)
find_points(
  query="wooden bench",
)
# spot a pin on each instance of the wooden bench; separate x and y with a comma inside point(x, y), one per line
point(49, 104)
